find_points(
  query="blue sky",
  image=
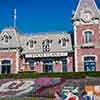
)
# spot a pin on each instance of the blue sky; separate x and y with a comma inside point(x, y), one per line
point(38, 15)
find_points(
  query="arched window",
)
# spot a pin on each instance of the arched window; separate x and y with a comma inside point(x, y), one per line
point(46, 45)
point(31, 43)
point(6, 37)
point(63, 42)
point(88, 37)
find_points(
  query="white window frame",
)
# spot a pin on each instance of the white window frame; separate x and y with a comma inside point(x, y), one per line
point(87, 30)
point(4, 38)
point(62, 41)
point(45, 44)
point(11, 60)
point(89, 56)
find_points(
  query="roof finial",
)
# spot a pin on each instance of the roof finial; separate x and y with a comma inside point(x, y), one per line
point(14, 17)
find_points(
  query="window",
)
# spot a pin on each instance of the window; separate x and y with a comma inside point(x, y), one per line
point(88, 37)
point(48, 65)
point(30, 43)
point(5, 66)
point(64, 64)
point(31, 64)
point(6, 38)
point(63, 42)
point(46, 45)
point(90, 63)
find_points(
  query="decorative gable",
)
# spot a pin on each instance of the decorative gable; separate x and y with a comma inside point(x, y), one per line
point(8, 38)
point(86, 8)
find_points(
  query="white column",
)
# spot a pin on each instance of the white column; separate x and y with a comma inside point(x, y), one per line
point(0, 67)
point(17, 61)
point(60, 62)
point(75, 41)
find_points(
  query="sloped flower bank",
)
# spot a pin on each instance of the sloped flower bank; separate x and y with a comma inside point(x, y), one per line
point(49, 87)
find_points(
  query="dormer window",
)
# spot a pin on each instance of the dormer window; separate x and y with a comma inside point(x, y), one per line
point(46, 45)
point(59, 41)
point(87, 37)
point(63, 42)
point(5, 37)
point(31, 43)
point(35, 42)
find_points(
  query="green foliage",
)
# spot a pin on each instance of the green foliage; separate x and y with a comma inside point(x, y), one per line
point(22, 75)
point(26, 99)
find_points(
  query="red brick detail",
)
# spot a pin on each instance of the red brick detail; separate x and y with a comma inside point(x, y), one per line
point(57, 68)
point(70, 64)
point(81, 28)
point(87, 51)
point(12, 56)
point(38, 68)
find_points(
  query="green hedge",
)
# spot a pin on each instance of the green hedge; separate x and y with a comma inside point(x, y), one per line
point(26, 98)
point(64, 75)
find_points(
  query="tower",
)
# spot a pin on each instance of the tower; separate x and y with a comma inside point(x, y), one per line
point(86, 22)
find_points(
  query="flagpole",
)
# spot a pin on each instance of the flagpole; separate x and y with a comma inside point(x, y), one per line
point(14, 16)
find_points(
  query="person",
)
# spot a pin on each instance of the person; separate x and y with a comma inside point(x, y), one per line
point(71, 96)
point(95, 97)
point(88, 97)
point(84, 95)
point(57, 96)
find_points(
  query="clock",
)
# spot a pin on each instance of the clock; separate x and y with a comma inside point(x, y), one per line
point(87, 16)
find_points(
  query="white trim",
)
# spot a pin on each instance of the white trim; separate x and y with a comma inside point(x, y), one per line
point(96, 21)
point(87, 30)
point(62, 41)
point(68, 60)
point(8, 50)
point(75, 41)
point(90, 30)
point(82, 15)
point(17, 61)
point(29, 44)
point(84, 37)
point(77, 8)
point(60, 62)
point(49, 54)
point(5, 33)
point(82, 59)
point(96, 6)
point(6, 59)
